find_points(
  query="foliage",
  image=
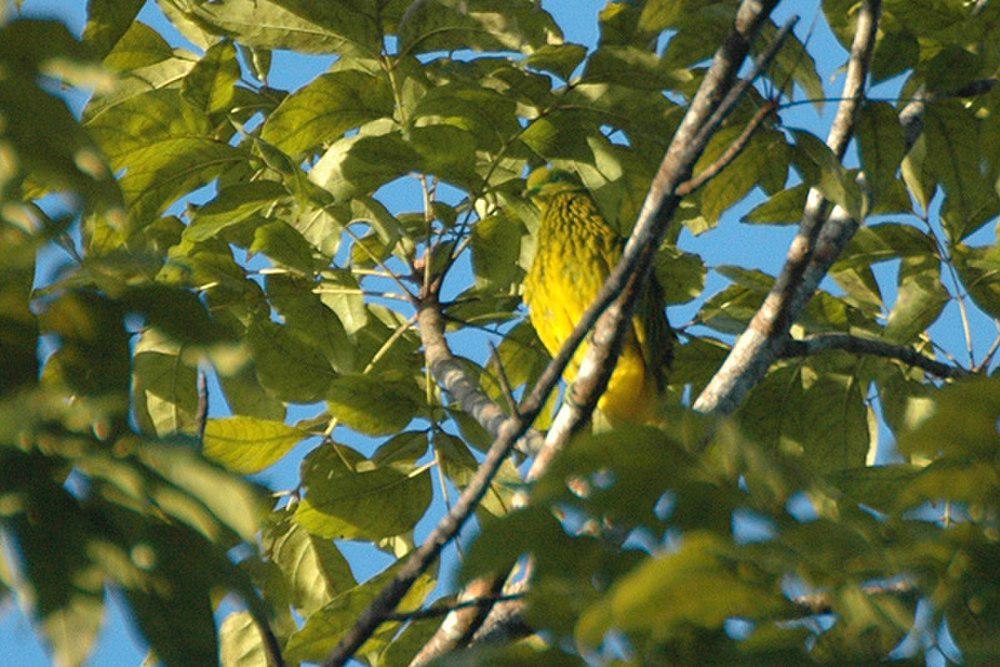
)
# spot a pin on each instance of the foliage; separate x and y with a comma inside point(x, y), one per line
point(209, 224)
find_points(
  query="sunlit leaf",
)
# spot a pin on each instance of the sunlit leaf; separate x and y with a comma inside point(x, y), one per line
point(447, 25)
point(248, 445)
point(321, 111)
point(314, 568)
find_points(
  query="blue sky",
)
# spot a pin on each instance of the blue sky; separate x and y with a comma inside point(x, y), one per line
point(757, 246)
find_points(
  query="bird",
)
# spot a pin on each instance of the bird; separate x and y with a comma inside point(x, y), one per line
point(576, 250)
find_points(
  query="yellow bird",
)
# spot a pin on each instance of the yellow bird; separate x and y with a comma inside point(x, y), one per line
point(575, 252)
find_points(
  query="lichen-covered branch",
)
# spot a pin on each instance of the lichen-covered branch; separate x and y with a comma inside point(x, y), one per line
point(671, 183)
point(758, 347)
point(456, 380)
point(840, 341)
point(717, 91)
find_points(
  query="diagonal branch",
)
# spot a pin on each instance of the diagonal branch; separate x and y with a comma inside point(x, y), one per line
point(814, 248)
point(455, 379)
point(716, 98)
point(444, 609)
point(598, 364)
point(840, 341)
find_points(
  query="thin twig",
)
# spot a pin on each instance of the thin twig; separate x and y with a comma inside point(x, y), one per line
point(445, 609)
point(959, 294)
point(990, 353)
point(820, 343)
point(502, 378)
point(201, 416)
point(730, 154)
point(390, 274)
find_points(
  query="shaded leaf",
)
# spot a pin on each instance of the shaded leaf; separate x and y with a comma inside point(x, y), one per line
point(314, 568)
point(211, 85)
point(371, 404)
point(350, 497)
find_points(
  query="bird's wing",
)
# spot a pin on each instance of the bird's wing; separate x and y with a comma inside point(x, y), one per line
point(653, 331)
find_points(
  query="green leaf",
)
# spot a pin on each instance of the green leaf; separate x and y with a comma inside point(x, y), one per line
point(698, 32)
point(341, 293)
point(963, 422)
point(309, 319)
point(662, 14)
point(884, 242)
point(681, 274)
point(833, 180)
point(321, 111)
point(459, 465)
point(979, 269)
point(358, 165)
point(229, 500)
point(480, 25)
point(629, 66)
point(793, 62)
point(955, 153)
point(372, 404)
point(285, 246)
point(447, 152)
point(822, 418)
point(164, 386)
point(696, 362)
point(248, 445)
point(142, 77)
point(878, 487)
point(783, 208)
point(739, 176)
point(920, 300)
point(139, 46)
point(166, 148)
point(284, 24)
point(246, 396)
point(108, 21)
point(896, 50)
point(292, 369)
point(324, 628)
point(696, 586)
point(350, 497)
point(314, 568)
point(231, 206)
point(65, 589)
point(881, 142)
point(211, 85)
point(496, 248)
point(489, 116)
point(917, 173)
point(560, 59)
point(241, 642)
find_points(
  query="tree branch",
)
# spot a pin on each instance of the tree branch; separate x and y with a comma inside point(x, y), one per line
point(757, 348)
point(840, 341)
point(455, 379)
point(598, 364)
point(716, 98)
point(689, 141)
point(734, 149)
point(441, 610)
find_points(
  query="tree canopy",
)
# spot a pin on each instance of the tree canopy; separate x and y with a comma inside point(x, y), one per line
point(202, 270)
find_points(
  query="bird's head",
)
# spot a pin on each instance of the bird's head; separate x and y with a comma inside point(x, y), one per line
point(545, 182)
